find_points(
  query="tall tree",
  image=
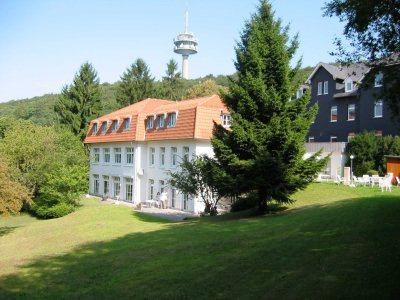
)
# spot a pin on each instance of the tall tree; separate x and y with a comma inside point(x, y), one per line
point(372, 30)
point(205, 88)
point(172, 87)
point(264, 148)
point(136, 84)
point(80, 101)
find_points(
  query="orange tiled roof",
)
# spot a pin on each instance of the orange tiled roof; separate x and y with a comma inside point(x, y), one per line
point(194, 120)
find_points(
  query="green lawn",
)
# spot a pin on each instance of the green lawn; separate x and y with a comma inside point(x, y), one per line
point(334, 242)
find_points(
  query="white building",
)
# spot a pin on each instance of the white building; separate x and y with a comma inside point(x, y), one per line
point(133, 150)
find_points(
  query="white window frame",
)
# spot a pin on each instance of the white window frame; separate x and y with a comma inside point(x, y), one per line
point(185, 201)
point(319, 91)
point(151, 189)
point(174, 156)
point(173, 197)
point(334, 108)
point(130, 155)
point(128, 189)
point(299, 93)
point(114, 125)
point(116, 186)
point(94, 128)
point(150, 123)
point(226, 120)
point(161, 121)
point(311, 139)
point(347, 81)
point(152, 156)
point(353, 106)
point(380, 102)
point(378, 81)
point(106, 155)
point(162, 156)
point(96, 155)
point(117, 155)
point(104, 127)
point(171, 120)
point(162, 186)
point(326, 86)
point(96, 184)
point(106, 185)
point(186, 152)
point(127, 124)
point(332, 138)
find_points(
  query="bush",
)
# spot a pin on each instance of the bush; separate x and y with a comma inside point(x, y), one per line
point(372, 172)
point(50, 212)
point(244, 203)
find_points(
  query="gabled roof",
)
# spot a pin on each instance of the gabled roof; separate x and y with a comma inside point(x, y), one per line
point(195, 119)
point(355, 71)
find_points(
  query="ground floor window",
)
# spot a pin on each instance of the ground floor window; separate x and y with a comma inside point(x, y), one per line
point(106, 185)
point(151, 189)
point(185, 201)
point(96, 184)
point(128, 189)
point(162, 186)
point(173, 197)
point(117, 187)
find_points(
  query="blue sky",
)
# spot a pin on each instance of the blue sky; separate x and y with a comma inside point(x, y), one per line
point(43, 43)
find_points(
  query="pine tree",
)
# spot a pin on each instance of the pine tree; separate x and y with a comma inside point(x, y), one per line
point(171, 87)
point(136, 84)
point(264, 148)
point(80, 101)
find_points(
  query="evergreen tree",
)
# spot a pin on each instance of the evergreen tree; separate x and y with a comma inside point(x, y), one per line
point(80, 101)
point(172, 87)
point(264, 148)
point(136, 84)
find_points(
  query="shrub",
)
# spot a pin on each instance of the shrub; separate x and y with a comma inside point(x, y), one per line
point(244, 203)
point(50, 212)
point(372, 172)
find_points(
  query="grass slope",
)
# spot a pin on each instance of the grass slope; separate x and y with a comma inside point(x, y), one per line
point(334, 242)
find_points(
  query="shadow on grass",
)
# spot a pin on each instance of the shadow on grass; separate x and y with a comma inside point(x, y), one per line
point(7, 229)
point(349, 248)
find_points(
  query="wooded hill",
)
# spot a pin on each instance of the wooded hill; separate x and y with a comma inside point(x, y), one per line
point(40, 109)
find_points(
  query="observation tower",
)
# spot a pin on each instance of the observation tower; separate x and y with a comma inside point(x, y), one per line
point(185, 44)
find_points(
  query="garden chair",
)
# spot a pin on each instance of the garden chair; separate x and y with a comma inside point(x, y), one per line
point(366, 179)
point(338, 180)
point(375, 179)
point(398, 180)
point(385, 184)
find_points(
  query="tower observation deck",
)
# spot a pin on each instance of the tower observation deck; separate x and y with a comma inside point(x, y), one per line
point(185, 44)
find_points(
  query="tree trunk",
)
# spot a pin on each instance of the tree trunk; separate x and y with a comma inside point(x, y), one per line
point(262, 202)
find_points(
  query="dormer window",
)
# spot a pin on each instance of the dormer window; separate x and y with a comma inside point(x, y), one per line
point(226, 120)
point(299, 93)
point(161, 121)
point(378, 79)
point(114, 125)
point(94, 128)
point(126, 124)
point(348, 85)
point(104, 127)
point(172, 120)
point(150, 123)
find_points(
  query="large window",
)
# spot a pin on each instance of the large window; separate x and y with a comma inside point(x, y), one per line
point(151, 189)
point(96, 184)
point(126, 124)
point(128, 189)
point(326, 88)
point(186, 153)
point(172, 120)
point(351, 112)
point(378, 109)
point(185, 201)
point(96, 155)
point(117, 155)
point(152, 156)
point(114, 125)
point(106, 185)
point(320, 88)
point(162, 156)
point(106, 152)
point(174, 156)
point(226, 120)
point(334, 115)
point(378, 79)
point(173, 197)
point(129, 155)
point(117, 187)
point(150, 123)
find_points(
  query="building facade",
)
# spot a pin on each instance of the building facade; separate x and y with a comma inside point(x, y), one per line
point(346, 105)
point(133, 150)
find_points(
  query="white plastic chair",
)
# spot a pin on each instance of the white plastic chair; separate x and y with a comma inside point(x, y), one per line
point(398, 180)
point(385, 184)
point(366, 179)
